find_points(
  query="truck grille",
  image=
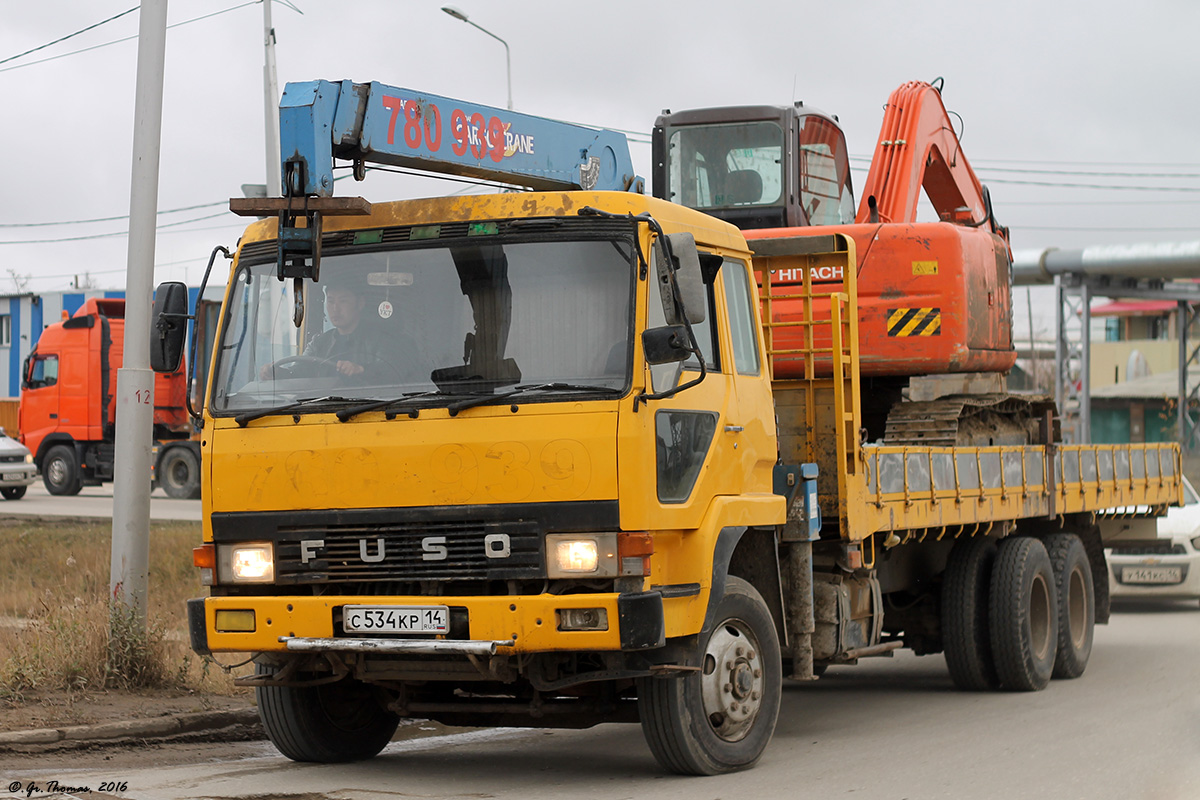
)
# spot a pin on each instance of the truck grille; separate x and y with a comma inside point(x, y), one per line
point(450, 550)
point(459, 546)
point(12, 459)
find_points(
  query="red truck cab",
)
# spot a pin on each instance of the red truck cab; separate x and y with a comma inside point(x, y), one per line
point(68, 403)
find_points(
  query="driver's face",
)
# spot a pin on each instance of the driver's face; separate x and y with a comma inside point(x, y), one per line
point(343, 308)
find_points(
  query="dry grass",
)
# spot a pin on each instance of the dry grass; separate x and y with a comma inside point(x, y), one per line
point(55, 625)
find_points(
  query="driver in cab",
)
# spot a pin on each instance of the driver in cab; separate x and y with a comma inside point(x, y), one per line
point(347, 345)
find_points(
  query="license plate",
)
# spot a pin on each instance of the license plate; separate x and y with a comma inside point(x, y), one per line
point(396, 619)
point(1151, 575)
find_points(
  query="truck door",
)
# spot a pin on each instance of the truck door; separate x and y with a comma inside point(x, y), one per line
point(675, 453)
point(750, 421)
point(39, 398)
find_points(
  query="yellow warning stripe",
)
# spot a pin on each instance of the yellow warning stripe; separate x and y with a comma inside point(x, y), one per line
point(914, 321)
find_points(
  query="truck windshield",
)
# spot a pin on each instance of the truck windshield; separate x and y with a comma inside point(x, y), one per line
point(721, 166)
point(432, 320)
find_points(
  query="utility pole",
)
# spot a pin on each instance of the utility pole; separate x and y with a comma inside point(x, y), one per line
point(130, 565)
point(271, 103)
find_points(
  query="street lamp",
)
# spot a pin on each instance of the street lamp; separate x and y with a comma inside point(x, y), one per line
point(459, 14)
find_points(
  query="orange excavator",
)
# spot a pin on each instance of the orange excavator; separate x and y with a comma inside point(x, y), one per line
point(934, 298)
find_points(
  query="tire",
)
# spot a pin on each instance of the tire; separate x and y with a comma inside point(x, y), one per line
point(330, 723)
point(13, 492)
point(966, 637)
point(1076, 603)
point(60, 471)
point(1023, 614)
point(687, 721)
point(179, 473)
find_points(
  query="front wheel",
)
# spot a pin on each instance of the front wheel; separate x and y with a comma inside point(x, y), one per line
point(60, 471)
point(13, 492)
point(721, 718)
point(328, 723)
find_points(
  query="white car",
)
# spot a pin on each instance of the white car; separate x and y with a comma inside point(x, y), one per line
point(17, 469)
point(1167, 568)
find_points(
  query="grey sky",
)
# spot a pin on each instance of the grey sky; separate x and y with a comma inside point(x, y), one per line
point(1072, 86)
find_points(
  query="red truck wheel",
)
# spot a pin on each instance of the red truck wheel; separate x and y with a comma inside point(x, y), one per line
point(179, 473)
point(60, 471)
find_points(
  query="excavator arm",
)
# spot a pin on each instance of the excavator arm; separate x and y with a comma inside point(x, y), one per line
point(918, 149)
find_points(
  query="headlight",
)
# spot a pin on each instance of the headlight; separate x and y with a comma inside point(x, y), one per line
point(253, 562)
point(29, 458)
point(1196, 543)
point(598, 555)
point(592, 555)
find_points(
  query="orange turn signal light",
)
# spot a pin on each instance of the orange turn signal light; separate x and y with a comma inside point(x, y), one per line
point(204, 556)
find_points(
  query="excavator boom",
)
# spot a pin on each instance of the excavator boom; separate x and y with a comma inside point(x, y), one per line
point(917, 149)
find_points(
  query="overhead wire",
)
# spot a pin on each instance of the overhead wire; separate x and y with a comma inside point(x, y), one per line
point(69, 35)
point(130, 38)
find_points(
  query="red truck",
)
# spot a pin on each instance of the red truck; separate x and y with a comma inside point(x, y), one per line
point(68, 406)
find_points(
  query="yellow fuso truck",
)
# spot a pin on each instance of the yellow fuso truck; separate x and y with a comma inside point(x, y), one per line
point(518, 459)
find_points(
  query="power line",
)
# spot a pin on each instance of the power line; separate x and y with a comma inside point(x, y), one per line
point(105, 219)
point(128, 38)
point(69, 35)
point(1090, 173)
point(113, 233)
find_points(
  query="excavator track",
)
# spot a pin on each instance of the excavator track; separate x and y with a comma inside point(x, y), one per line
point(981, 420)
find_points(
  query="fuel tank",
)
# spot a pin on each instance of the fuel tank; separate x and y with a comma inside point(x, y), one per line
point(933, 297)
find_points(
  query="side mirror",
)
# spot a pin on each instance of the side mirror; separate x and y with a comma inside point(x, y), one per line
point(170, 326)
point(666, 345)
point(688, 278)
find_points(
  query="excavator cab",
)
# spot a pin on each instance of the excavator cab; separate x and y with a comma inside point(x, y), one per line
point(755, 166)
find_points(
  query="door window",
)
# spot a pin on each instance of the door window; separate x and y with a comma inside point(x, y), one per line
point(43, 372)
point(743, 332)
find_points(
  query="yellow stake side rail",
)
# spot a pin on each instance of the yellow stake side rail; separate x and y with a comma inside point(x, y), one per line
point(907, 488)
point(884, 488)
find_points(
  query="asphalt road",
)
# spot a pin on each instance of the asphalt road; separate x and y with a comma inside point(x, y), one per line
point(889, 728)
point(93, 501)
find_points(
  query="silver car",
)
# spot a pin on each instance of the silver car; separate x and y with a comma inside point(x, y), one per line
point(1167, 568)
point(17, 469)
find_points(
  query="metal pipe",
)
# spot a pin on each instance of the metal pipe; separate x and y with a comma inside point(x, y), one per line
point(271, 104)
point(130, 565)
point(1164, 260)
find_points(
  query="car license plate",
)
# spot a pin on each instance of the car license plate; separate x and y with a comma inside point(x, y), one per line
point(1151, 575)
point(396, 619)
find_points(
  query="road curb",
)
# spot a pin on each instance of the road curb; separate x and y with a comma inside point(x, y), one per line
point(155, 728)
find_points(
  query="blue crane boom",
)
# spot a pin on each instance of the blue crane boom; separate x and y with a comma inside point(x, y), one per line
point(320, 121)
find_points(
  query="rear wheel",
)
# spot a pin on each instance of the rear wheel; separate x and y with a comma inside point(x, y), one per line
point(1076, 603)
point(721, 718)
point(179, 473)
point(13, 492)
point(329, 723)
point(60, 471)
point(966, 640)
point(1023, 616)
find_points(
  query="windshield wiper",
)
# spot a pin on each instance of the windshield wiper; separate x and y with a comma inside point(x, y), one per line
point(347, 413)
point(243, 419)
point(483, 399)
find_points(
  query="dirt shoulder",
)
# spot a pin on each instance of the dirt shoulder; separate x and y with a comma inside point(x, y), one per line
point(62, 709)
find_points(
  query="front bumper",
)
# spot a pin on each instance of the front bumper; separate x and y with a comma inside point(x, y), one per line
point(14, 475)
point(523, 623)
point(1188, 588)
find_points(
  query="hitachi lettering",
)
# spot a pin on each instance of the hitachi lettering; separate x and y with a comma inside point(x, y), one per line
point(831, 273)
